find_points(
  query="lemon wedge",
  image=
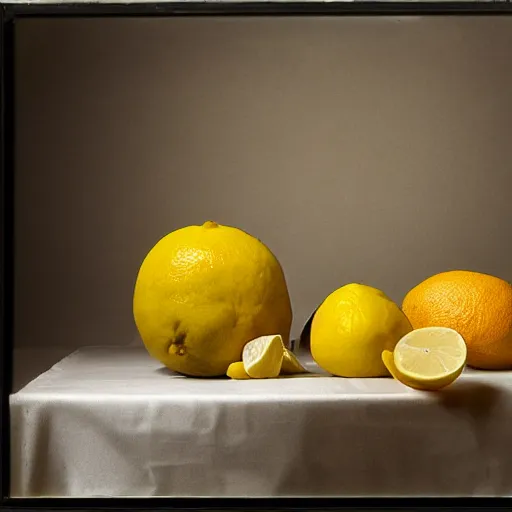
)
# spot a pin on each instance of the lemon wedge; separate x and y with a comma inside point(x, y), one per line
point(237, 371)
point(430, 358)
point(263, 357)
point(291, 364)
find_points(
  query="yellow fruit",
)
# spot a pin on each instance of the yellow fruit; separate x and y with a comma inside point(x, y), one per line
point(389, 363)
point(430, 358)
point(351, 329)
point(478, 306)
point(203, 292)
point(291, 364)
point(263, 357)
point(237, 371)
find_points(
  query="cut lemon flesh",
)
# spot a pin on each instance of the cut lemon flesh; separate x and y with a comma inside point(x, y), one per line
point(291, 364)
point(428, 358)
point(263, 357)
point(237, 371)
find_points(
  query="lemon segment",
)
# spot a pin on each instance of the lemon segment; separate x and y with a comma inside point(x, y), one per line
point(237, 371)
point(263, 357)
point(291, 364)
point(429, 358)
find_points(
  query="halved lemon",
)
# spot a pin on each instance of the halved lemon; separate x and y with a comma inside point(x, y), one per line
point(263, 357)
point(237, 371)
point(291, 364)
point(430, 358)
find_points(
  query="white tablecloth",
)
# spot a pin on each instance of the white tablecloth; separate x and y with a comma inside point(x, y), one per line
point(111, 421)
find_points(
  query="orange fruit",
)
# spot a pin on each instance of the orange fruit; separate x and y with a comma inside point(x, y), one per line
point(477, 306)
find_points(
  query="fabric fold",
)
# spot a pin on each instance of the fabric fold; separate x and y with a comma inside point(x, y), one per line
point(112, 422)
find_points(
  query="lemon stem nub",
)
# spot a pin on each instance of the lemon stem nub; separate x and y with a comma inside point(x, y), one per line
point(209, 224)
point(177, 345)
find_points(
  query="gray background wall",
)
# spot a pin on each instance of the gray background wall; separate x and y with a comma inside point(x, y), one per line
point(372, 150)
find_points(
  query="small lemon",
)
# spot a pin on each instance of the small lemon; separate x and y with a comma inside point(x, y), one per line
point(263, 357)
point(430, 358)
point(203, 292)
point(351, 329)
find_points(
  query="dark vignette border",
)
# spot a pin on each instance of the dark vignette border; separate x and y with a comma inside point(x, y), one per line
point(260, 8)
point(6, 239)
point(9, 14)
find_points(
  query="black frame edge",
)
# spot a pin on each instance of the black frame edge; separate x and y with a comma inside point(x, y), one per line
point(260, 8)
point(7, 239)
point(9, 13)
point(257, 504)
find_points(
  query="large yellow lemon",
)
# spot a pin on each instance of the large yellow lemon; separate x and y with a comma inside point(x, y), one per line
point(352, 328)
point(203, 292)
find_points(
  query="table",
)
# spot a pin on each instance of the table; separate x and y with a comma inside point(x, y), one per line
point(110, 421)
